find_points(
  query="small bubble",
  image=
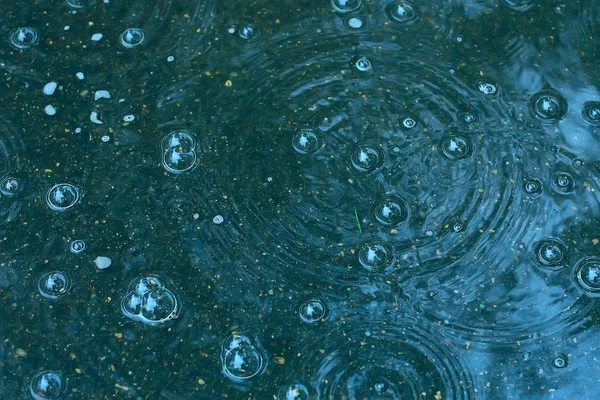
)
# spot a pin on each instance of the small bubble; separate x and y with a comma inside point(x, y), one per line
point(550, 253)
point(294, 391)
point(563, 183)
point(24, 38)
point(150, 302)
point(459, 39)
point(458, 226)
point(54, 285)
point(312, 311)
point(170, 59)
point(533, 187)
point(62, 197)
point(242, 358)
point(560, 361)
point(548, 106)
point(132, 37)
point(10, 186)
point(355, 23)
point(105, 138)
point(47, 385)
point(376, 256)
point(586, 275)
point(578, 163)
point(218, 219)
point(308, 141)
point(367, 159)
point(77, 246)
point(346, 6)
point(455, 147)
point(269, 179)
point(391, 211)
point(363, 64)
point(487, 88)
point(129, 118)
point(591, 112)
point(249, 31)
point(469, 120)
point(401, 11)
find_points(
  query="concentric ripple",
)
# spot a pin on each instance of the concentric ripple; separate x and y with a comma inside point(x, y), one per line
point(586, 274)
point(549, 106)
point(591, 112)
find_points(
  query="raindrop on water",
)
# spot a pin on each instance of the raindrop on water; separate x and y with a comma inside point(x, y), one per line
point(62, 197)
point(308, 141)
point(47, 385)
point(376, 256)
point(24, 38)
point(591, 112)
point(132, 37)
point(549, 106)
point(242, 358)
point(346, 6)
point(54, 285)
point(563, 183)
point(312, 311)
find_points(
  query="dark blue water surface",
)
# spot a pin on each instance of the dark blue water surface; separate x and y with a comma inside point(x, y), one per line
point(298, 199)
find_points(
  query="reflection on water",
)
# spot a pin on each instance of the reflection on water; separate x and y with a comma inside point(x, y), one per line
point(338, 199)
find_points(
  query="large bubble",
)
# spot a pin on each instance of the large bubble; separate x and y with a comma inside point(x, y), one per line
point(242, 357)
point(54, 285)
point(150, 302)
point(178, 152)
point(24, 38)
point(549, 106)
point(62, 197)
point(47, 385)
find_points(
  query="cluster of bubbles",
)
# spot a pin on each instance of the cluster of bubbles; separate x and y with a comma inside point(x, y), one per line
point(54, 285)
point(242, 357)
point(47, 385)
point(62, 197)
point(178, 152)
point(150, 302)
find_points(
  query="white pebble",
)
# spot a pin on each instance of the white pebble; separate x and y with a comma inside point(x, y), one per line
point(94, 118)
point(101, 94)
point(102, 262)
point(49, 88)
point(80, 76)
point(129, 118)
point(218, 219)
point(96, 37)
point(50, 110)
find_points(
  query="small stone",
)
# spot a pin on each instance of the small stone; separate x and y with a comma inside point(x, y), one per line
point(102, 262)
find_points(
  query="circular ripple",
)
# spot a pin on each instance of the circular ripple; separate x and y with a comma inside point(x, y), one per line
point(10, 186)
point(249, 31)
point(586, 274)
point(150, 302)
point(560, 361)
point(47, 385)
point(563, 183)
point(294, 391)
point(549, 106)
point(376, 256)
point(390, 211)
point(533, 187)
point(455, 147)
point(551, 253)
point(308, 141)
point(469, 120)
point(77, 246)
point(313, 311)
point(363, 64)
point(367, 159)
point(132, 37)
point(62, 197)
point(54, 285)
point(24, 38)
point(242, 357)
point(402, 12)
point(346, 6)
point(591, 112)
point(488, 89)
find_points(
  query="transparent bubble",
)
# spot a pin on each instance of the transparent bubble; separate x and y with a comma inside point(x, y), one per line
point(150, 302)
point(54, 285)
point(586, 274)
point(455, 147)
point(77, 246)
point(550, 253)
point(549, 106)
point(487, 88)
point(242, 358)
point(520, 5)
point(457, 226)
point(563, 183)
point(47, 385)
point(132, 37)
point(363, 64)
point(308, 141)
point(391, 211)
point(295, 391)
point(79, 4)
point(367, 159)
point(346, 6)
point(469, 120)
point(591, 112)
point(578, 163)
point(560, 361)
point(177, 162)
point(376, 256)
point(62, 197)
point(312, 311)
point(533, 187)
point(10, 186)
point(249, 31)
point(401, 11)
point(24, 38)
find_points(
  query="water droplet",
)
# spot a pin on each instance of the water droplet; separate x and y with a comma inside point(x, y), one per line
point(560, 361)
point(10, 186)
point(548, 106)
point(77, 246)
point(24, 38)
point(132, 37)
point(591, 112)
point(312, 311)
point(47, 385)
point(54, 285)
point(586, 274)
point(249, 31)
point(455, 147)
point(563, 183)
point(391, 211)
point(62, 197)
point(376, 256)
point(294, 391)
point(367, 159)
point(401, 11)
point(363, 64)
point(308, 141)
point(241, 357)
point(487, 89)
point(550, 253)
point(346, 6)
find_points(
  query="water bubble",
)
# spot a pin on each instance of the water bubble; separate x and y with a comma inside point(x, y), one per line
point(218, 219)
point(132, 37)
point(47, 385)
point(549, 106)
point(560, 361)
point(312, 311)
point(455, 147)
point(77, 246)
point(563, 182)
point(363, 64)
point(62, 197)
point(241, 357)
point(24, 38)
point(578, 163)
point(54, 285)
point(367, 159)
point(469, 120)
point(586, 274)
point(346, 6)
point(408, 124)
point(79, 4)
point(457, 226)
point(376, 256)
point(177, 162)
point(391, 211)
point(401, 11)
point(150, 302)
point(487, 88)
point(249, 31)
point(183, 140)
point(308, 141)
point(10, 186)
point(294, 391)
point(550, 253)
point(591, 112)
